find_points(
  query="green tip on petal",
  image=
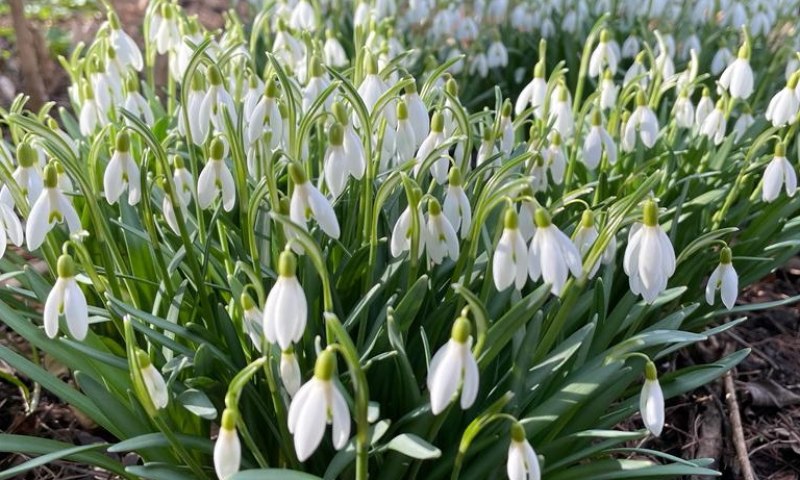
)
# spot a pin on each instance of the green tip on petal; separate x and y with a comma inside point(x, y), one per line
point(517, 432)
point(506, 108)
point(437, 122)
point(706, 92)
point(297, 173)
point(246, 301)
point(725, 256)
point(454, 176)
point(142, 359)
point(26, 155)
point(650, 213)
point(271, 88)
point(780, 149)
point(229, 419)
point(66, 266)
point(326, 363)
point(217, 149)
point(587, 219)
point(605, 36)
point(123, 142)
point(50, 176)
point(177, 161)
point(339, 111)
point(336, 135)
point(542, 218)
point(434, 207)
point(287, 264)
point(597, 118)
point(461, 330)
point(641, 99)
point(650, 371)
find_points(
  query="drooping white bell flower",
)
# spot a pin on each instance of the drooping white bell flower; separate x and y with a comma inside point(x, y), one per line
point(434, 139)
point(637, 72)
point(441, 238)
point(743, 123)
point(642, 121)
point(452, 366)
point(597, 142)
point(50, 208)
point(561, 113)
point(417, 112)
point(784, 106)
point(527, 210)
point(192, 36)
point(353, 145)
point(252, 96)
point(405, 142)
point(338, 164)
point(603, 56)
point(497, 55)
point(555, 159)
point(319, 402)
point(552, 254)
point(538, 172)
point(722, 58)
point(164, 30)
point(631, 47)
point(649, 257)
point(122, 173)
point(216, 102)
point(153, 381)
point(737, 78)
point(10, 228)
point(286, 308)
point(194, 102)
point(523, 464)
point(779, 173)
point(371, 89)
point(506, 129)
point(402, 233)
point(651, 401)
point(290, 372)
point(724, 279)
point(663, 62)
point(66, 298)
point(126, 49)
point(715, 124)
point(479, 65)
point(252, 320)
point(184, 185)
point(510, 260)
point(686, 78)
point(608, 91)
point(227, 448)
point(317, 83)
point(586, 235)
point(136, 103)
point(683, 111)
point(334, 53)
point(91, 115)
point(456, 204)
point(488, 149)
point(534, 93)
point(26, 176)
point(303, 17)
point(266, 117)
point(307, 202)
point(704, 108)
point(215, 180)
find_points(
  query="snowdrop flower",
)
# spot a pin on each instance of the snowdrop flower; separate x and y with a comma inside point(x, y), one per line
point(417, 112)
point(779, 173)
point(488, 149)
point(603, 56)
point(252, 318)
point(506, 129)
point(317, 83)
point(372, 88)
point(10, 228)
point(126, 49)
point(50, 208)
point(441, 239)
point(479, 65)
point(452, 365)
point(317, 403)
point(510, 260)
point(227, 449)
point(642, 121)
point(552, 254)
point(286, 309)
point(783, 107)
point(303, 17)
point(66, 298)
point(724, 279)
point(333, 51)
point(290, 371)
point(523, 464)
point(527, 225)
point(649, 257)
point(194, 102)
point(216, 101)
point(685, 79)
point(456, 203)
point(164, 29)
point(538, 173)
point(663, 61)
point(122, 173)
point(216, 180)
point(597, 142)
point(266, 117)
point(743, 123)
point(555, 159)
point(534, 93)
point(432, 142)
point(26, 176)
point(252, 96)
point(608, 91)
point(405, 142)
point(307, 202)
point(738, 76)
point(91, 113)
point(715, 124)
point(561, 114)
point(136, 103)
point(631, 47)
point(683, 111)
point(184, 185)
point(636, 72)
point(153, 381)
point(586, 235)
point(497, 55)
point(704, 108)
point(651, 401)
point(721, 59)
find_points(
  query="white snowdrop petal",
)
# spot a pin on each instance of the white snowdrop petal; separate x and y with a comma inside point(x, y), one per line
point(729, 289)
point(341, 419)
point(75, 310)
point(310, 424)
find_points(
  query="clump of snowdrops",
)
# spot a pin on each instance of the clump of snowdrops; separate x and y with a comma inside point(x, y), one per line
point(317, 249)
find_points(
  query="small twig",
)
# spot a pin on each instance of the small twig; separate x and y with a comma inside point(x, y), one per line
point(738, 433)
